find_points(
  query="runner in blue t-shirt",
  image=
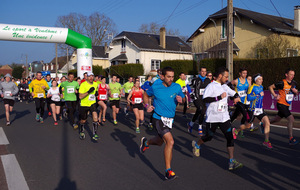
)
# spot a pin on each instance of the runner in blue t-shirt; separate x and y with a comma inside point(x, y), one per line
point(166, 96)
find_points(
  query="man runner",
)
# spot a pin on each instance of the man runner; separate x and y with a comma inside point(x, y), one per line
point(37, 89)
point(166, 96)
point(127, 88)
point(70, 88)
point(87, 97)
point(48, 100)
point(114, 97)
point(286, 91)
point(216, 96)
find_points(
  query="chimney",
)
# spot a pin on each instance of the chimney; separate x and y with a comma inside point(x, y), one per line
point(105, 47)
point(162, 38)
point(297, 17)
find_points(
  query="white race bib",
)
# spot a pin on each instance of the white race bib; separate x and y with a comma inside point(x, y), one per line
point(115, 95)
point(70, 90)
point(21, 88)
point(258, 111)
point(27, 90)
point(137, 100)
point(222, 106)
point(92, 97)
point(7, 93)
point(289, 97)
point(102, 97)
point(40, 95)
point(201, 91)
point(168, 122)
point(242, 93)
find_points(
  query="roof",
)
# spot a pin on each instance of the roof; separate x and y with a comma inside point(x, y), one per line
point(222, 46)
point(61, 61)
point(6, 67)
point(274, 23)
point(150, 42)
point(99, 51)
point(121, 57)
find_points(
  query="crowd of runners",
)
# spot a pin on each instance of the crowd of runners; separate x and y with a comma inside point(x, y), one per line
point(76, 99)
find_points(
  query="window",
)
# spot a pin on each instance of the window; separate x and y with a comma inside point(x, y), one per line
point(224, 28)
point(51, 66)
point(291, 52)
point(155, 64)
point(123, 46)
point(137, 61)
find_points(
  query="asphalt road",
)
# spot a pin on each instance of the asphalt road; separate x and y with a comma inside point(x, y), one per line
point(53, 157)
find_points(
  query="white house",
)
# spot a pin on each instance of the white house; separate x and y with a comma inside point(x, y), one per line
point(147, 49)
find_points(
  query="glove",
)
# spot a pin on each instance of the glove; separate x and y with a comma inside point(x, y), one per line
point(91, 90)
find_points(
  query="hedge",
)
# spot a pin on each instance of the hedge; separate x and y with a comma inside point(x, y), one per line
point(126, 70)
point(186, 66)
point(272, 70)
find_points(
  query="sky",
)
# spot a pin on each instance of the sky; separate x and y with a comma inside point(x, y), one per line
point(128, 15)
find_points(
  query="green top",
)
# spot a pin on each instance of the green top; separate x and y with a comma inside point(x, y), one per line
point(98, 82)
point(115, 90)
point(70, 90)
point(90, 99)
point(128, 86)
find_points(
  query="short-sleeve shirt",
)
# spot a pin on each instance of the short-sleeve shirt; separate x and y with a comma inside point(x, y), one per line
point(115, 89)
point(69, 90)
point(164, 99)
point(128, 86)
point(90, 99)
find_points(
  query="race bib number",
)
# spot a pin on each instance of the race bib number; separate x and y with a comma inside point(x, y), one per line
point(138, 100)
point(21, 88)
point(168, 122)
point(56, 98)
point(202, 91)
point(289, 97)
point(102, 96)
point(27, 90)
point(7, 93)
point(40, 95)
point(242, 93)
point(222, 107)
point(258, 111)
point(115, 95)
point(184, 89)
point(92, 97)
point(70, 90)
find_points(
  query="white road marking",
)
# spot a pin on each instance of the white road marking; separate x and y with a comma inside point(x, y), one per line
point(3, 138)
point(14, 175)
point(279, 126)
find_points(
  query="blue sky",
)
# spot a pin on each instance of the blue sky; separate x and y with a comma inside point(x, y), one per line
point(127, 14)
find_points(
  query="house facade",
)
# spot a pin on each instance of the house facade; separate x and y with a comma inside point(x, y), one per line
point(147, 49)
point(209, 40)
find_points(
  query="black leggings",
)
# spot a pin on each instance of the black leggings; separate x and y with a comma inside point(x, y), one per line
point(48, 100)
point(200, 112)
point(240, 108)
point(185, 106)
point(225, 128)
point(71, 106)
point(39, 105)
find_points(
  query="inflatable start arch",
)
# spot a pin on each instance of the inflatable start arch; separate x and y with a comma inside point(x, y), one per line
point(52, 35)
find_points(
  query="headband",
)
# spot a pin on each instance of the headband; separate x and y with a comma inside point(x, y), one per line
point(257, 77)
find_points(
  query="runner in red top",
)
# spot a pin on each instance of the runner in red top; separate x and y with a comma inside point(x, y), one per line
point(102, 97)
point(135, 97)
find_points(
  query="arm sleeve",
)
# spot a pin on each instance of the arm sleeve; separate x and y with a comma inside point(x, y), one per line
point(1, 89)
point(212, 99)
point(251, 95)
point(30, 87)
point(16, 90)
point(150, 91)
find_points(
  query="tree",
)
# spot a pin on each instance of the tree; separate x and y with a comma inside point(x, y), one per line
point(153, 28)
point(274, 46)
point(96, 26)
point(17, 72)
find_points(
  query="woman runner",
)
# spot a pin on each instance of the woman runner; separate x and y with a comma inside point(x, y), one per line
point(102, 97)
point(55, 103)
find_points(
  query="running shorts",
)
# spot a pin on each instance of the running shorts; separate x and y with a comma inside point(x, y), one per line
point(83, 111)
point(283, 110)
point(160, 128)
point(138, 106)
point(252, 116)
point(10, 102)
point(115, 103)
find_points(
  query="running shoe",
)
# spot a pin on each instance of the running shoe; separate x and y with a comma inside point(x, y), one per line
point(20, 100)
point(200, 132)
point(65, 113)
point(262, 128)
point(253, 128)
point(144, 145)
point(49, 113)
point(60, 117)
point(170, 175)
point(7, 123)
point(190, 127)
point(234, 165)
point(267, 144)
point(115, 123)
point(103, 119)
point(137, 130)
point(55, 122)
point(241, 134)
point(150, 126)
point(41, 120)
point(235, 133)
point(95, 137)
point(75, 126)
point(196, 148)
point(293, 141)
point(37, 117)
point(82, 135)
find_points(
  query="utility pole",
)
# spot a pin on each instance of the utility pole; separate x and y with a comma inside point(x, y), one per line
point(56, 60)
point(229, 56)
point(26, 67)
point(67, 60)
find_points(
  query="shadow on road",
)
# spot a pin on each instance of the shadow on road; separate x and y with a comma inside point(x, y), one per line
point(20, 114)
point(133, 149)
